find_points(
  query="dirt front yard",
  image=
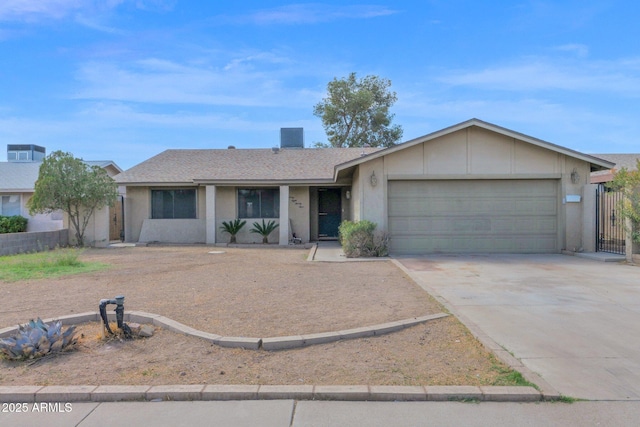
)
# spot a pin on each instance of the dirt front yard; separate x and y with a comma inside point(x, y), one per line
point(245, 292)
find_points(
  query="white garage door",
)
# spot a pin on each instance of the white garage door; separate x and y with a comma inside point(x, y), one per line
point(481, 216)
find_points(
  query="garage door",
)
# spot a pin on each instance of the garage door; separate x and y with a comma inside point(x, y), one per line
point(490, 216)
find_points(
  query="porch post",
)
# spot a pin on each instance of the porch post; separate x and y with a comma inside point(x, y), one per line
point(589, 217)
point(284, 215)
point(628, 240)
point(210, 214)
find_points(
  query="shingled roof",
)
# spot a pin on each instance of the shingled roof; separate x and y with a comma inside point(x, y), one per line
point(621, 160)
point(240, 165)
point(18, 176)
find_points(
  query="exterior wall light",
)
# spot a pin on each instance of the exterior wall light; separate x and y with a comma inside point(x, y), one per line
point(373, 179)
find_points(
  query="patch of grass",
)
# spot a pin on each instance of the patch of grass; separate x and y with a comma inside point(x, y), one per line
point(42, 265)
point(509, 377)
point(567, 399)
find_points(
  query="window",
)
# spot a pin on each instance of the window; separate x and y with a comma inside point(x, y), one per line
point(258, 203)
point(10, 205)
point(172, 204)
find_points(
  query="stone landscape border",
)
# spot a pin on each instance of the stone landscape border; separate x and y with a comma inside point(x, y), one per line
point(247, 343)
point(204, 392)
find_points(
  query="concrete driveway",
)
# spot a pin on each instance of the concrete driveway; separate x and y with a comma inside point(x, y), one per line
point(573, 321)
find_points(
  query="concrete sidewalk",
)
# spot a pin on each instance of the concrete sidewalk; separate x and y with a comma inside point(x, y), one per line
point(286, 413)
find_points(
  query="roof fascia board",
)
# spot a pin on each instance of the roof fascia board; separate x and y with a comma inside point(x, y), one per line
point(263, 182)
point(157, 184)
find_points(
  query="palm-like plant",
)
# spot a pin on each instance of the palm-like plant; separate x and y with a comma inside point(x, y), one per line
point(233, 228)
point(264, 230)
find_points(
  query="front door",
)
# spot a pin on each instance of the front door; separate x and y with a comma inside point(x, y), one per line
point(329, 212)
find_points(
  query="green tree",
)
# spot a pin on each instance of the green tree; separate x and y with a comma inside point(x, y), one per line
point(355, 113)
point(68, 184)
point(628, 182)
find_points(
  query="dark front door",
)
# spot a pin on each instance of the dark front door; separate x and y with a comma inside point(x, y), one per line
point(329, 212)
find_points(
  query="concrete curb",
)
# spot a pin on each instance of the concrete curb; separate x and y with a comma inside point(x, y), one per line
point(247, 343)
point(203, 392)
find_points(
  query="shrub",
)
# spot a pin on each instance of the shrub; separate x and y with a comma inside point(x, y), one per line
point(13, 224)
point(360, 239)
point(37, 339)
point(264, 230)
point(232, 228)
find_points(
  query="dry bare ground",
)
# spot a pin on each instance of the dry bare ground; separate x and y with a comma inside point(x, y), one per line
point(245, 292)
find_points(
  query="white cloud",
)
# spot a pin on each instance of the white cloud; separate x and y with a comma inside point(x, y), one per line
point(32, 10)
point(160, 81)
point(580, 50)
point(537, 74)
point(312, 13)
point(43, 10)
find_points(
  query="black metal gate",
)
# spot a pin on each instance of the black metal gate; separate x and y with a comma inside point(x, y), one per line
point(610, 234)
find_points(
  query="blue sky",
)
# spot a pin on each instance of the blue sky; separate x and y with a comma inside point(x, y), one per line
point(126, 79)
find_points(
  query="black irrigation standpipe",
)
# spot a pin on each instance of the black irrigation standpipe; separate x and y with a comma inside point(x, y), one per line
point(119, 302)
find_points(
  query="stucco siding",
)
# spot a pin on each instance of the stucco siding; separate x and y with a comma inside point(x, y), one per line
point(373, 196)
point(137, 206)
point(531, 159)
point(226, 210)
point(299, 213)
point(409, 161)
point(446, 155)
point(489, 152)
point(173, 231)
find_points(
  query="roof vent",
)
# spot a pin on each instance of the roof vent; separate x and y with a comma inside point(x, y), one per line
point(275, 150)
point(231, 147)
point(291, 138)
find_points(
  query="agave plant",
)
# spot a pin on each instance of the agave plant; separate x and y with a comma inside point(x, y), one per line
point(264, 230)
point(37, 339)
point(233, 228)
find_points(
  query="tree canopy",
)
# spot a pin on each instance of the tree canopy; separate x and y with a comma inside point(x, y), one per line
point(68, 184)
point(628, 182)
point(355, 113)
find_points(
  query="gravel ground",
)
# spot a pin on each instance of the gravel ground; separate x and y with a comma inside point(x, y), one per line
point(262, 292)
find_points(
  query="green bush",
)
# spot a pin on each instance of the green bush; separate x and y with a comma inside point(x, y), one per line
point(264, 230)
point(360, 239)
point(13, 224)
point(232, 228)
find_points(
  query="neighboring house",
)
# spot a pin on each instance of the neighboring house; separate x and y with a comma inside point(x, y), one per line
point(472, 187)
point(17, 181)
point(628, 161)
point(17, 184)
